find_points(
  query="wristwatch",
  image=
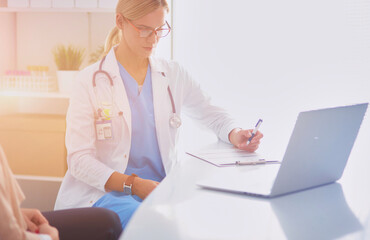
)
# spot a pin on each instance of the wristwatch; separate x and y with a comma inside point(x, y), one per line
point(127, 186)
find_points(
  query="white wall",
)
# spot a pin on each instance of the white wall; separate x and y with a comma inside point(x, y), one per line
point(27, 38)
point(39, 33)
point(7, 42)
point(271, 59)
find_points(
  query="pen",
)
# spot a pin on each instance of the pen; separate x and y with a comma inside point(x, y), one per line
point(258, 124)
point(261, 161)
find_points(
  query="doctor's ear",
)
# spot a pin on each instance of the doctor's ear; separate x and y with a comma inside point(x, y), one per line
point(119, 21)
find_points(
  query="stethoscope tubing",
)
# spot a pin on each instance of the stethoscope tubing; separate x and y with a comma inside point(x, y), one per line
point(172, 101)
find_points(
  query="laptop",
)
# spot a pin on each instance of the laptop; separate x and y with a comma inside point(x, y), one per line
point(317, 153)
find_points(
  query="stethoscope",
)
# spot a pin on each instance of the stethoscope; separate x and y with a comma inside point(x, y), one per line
point(175, 121)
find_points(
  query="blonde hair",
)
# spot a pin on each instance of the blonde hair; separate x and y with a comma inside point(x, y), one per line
point(132, 10)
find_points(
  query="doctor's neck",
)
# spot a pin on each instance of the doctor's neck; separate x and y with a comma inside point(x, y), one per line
point(129, 59)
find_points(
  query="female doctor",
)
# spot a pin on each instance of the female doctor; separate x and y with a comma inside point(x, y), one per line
point(124, 116)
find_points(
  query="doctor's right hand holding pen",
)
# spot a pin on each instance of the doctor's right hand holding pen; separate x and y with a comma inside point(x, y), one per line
point(247, 140)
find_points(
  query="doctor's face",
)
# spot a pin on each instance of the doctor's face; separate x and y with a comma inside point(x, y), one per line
point(142, 35)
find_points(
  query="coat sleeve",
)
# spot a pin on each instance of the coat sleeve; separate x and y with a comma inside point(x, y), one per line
point(80, 139)
point(199, 107)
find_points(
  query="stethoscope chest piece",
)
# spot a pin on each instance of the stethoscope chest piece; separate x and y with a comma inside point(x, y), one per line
point(175, 121)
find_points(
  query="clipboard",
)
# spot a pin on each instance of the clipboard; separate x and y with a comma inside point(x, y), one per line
point(226, 157)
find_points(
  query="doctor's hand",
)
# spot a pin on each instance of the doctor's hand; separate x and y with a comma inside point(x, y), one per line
point(143, 187)
point(33, 218)
point(239, 137)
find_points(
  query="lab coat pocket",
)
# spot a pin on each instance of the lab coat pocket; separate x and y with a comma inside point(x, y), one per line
point(108, 135)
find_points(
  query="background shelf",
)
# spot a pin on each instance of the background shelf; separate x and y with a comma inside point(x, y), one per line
point(77, 10)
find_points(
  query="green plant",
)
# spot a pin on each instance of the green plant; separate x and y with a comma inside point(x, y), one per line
point(97, 55)
point(68, 57)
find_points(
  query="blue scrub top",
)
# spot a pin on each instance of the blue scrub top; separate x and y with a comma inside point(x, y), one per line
point(145, 159)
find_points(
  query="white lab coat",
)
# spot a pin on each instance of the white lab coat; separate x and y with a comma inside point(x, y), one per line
point(91, 162)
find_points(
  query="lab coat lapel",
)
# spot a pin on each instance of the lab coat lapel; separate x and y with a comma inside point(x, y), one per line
point(120, 95)
point(161, 108)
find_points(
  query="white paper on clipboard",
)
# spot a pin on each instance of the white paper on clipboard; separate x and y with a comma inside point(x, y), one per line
point(223, 157)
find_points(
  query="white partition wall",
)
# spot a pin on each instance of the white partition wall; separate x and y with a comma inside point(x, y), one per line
point(272, 59)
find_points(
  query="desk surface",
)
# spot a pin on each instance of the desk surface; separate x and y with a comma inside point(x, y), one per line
point(179, 209)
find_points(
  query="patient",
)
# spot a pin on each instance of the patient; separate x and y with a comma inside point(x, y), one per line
point(19, 224)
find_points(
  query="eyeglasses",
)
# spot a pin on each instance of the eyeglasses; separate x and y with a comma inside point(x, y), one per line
point(159, 32)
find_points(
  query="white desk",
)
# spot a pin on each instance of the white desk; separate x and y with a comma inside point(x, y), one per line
point(179, 209)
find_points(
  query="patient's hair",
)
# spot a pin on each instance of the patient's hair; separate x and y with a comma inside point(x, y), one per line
point(132, 10)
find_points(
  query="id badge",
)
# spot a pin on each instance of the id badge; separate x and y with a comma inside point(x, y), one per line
point(104, 129)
